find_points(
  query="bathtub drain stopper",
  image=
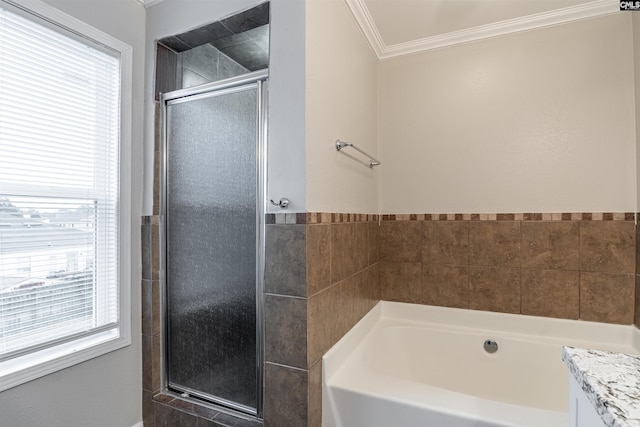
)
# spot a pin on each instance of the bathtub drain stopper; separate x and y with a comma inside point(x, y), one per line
point(490, 346)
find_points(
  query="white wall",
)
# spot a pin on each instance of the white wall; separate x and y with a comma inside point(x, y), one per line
point(539, 121)
point(341, 104)
point(105, 391)
point(286, 155)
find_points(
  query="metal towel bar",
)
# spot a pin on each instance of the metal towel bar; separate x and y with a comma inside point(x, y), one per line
point(372, 162)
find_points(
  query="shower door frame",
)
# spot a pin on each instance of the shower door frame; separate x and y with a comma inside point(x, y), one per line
point(260, 79)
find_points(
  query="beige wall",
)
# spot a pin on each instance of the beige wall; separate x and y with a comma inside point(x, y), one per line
point(341, 103)
point(539, 121)
point(636, 60)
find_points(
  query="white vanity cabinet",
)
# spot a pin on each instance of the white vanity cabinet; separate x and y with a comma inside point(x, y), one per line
point(604, 387)
point(581, 410)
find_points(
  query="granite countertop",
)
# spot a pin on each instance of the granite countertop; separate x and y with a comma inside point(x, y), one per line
point(611, 382)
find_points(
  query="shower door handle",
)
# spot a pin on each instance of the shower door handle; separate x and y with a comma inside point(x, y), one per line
point(283, 203)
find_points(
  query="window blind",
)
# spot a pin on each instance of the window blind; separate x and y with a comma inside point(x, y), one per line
point(59, 160)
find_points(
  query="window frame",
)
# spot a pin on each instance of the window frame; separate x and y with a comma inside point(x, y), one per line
point(36, 364)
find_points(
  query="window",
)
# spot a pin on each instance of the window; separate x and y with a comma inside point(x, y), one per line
point(64, 219)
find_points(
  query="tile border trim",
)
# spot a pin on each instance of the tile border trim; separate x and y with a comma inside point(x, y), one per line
point(336, 217)
point(554, 216)
point(318, 218)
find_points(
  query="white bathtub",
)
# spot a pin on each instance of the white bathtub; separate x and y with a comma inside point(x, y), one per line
point(406, 365)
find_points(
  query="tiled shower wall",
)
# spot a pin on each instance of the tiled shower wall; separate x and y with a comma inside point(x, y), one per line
point(321, 277)
point(574, 266)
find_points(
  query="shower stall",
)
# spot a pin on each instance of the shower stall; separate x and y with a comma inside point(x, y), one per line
point(214, 185)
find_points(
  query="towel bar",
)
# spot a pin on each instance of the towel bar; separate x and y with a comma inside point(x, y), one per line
point(372, 161)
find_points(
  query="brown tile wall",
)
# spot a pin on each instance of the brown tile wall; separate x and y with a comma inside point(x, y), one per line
point(636, 313)
point(321, 277)
point(343, 285)
point(150, 317)
point(574, 266)
point(286, 374)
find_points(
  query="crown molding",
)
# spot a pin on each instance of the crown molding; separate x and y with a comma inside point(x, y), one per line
point(530, 22)
point(367, 25)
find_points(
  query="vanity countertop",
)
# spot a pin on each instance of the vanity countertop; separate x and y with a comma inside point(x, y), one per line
point(611, 382)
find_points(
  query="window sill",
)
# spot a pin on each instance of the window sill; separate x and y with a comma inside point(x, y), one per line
point(38, 364)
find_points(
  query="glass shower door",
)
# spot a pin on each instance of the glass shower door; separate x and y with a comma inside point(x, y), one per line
point(212, 245)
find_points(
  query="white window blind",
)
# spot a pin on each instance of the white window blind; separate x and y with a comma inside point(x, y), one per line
point(59, 187)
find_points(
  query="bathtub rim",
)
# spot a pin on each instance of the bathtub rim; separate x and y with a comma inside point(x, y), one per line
point(544, 328)
point(387, 313)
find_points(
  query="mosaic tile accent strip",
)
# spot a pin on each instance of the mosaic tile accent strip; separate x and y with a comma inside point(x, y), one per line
point(291, 218)
point(337, 218)
point(555, 216)
point(318, 218)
